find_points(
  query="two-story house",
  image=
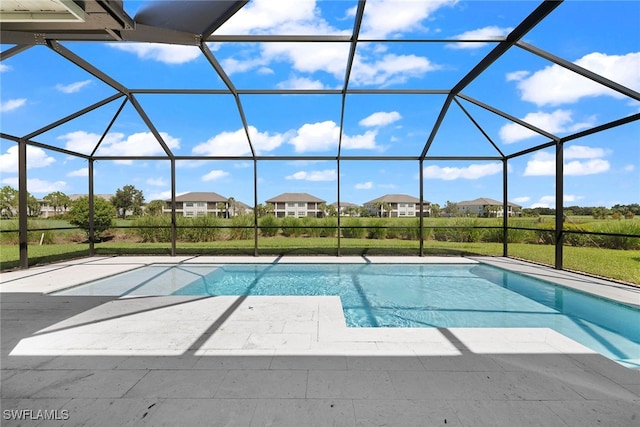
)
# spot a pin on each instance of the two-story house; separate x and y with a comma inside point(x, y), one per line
point(296, 205)
point(487, 207)
point(397, 206)
point(198, 203)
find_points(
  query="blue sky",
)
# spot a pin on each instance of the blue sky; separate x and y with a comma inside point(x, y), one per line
point(38, 87)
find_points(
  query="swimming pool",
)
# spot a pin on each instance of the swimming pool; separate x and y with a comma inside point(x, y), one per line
point(405, 295)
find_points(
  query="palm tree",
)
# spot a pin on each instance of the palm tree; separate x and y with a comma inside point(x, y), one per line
point(231, 202)
point(220, 207)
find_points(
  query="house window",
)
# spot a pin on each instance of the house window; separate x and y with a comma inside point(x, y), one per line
point(291, 204)
point(188, 214)
point(188, 204)
point(291, 213)
point(201, 204)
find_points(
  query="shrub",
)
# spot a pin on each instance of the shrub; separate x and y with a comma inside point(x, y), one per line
point(626, 241)
point(290, 227)
point(244, 230)
point(154, 228)
point(377, 229)
point(329, 227)
point(103, 213)
point(352, 228)
point(308, 225)
point(269, 225)
point(200, 229)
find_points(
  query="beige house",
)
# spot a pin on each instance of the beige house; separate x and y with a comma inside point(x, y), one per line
point(296, 205)
point(197, 203)
point(347, 209)
point(48, 211)
point(397, 206)
point(487, 207)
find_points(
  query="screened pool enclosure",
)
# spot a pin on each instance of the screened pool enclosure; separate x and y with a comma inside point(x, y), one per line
point(346, 100)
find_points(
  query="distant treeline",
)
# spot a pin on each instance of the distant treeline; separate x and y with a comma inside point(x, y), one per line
point(594, 211)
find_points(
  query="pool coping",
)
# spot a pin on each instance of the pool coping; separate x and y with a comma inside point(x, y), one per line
point(58, 276)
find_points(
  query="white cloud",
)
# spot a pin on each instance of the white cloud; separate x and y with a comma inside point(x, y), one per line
point(380, 118)
point(73, 87)
point(214, 175)
point(474, 171)
point(557, 122)
point(36, 158)
point(516, 75)
point(366, 141)
point(323, 136)
point(544, 163)
point(82, 172)
point(491, 32)
point(118, 144)
point(300, 83)
point(4, 67)
point(383, 18)
point(523, 199)
point(629, 168)
point(571, 198)
point(364, 185)
point(550, 201)
point(389, 69)
point(554, 85)
point(324, 175)
point(37, 186)
point(590, 167)
point(12, 104)
point(232, 65)
point(267, 16)
point(166, 53)
point(161, 195)
point(157, 182)
point(583, 152)
point(235, 143)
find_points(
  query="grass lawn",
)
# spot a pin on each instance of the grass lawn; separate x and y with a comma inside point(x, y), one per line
point(616, 264)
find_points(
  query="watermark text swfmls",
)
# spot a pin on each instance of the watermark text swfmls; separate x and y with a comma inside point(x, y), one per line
point(36, 415)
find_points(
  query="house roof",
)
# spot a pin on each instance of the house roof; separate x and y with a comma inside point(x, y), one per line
point(295, 197)
point(484, 201)
point(200, 196)
point(74, 197)
point(395, 198)
point(345, 204)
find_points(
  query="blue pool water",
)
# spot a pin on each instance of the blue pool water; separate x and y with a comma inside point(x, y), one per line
point(406, 295)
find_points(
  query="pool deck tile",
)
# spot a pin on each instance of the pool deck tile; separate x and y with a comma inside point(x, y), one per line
point(253, 361)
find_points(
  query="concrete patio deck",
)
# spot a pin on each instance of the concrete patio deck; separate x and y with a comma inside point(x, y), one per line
point(286, 361)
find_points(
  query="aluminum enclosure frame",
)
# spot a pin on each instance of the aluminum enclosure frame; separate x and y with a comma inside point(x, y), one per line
point(115, 26)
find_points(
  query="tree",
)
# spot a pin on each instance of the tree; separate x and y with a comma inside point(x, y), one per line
point(221, 207)
point(103, 213)
point(264, 210)
point(33, 207)
point(57, 199)
point(450, 208)
point(8, 200)
point(128, 198)
point(155, 207)
point(435, 210)
point(232, 206)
